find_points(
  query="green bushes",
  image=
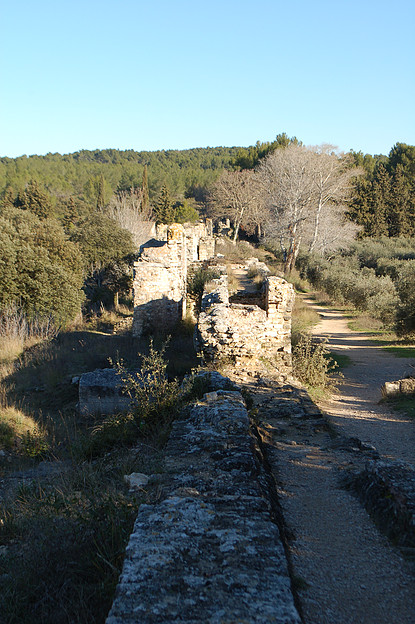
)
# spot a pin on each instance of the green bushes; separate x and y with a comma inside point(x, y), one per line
point(375, 276)
point(312, 363)
point(197, 280)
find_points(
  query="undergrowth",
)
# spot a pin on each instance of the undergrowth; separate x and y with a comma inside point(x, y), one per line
point(313, 364)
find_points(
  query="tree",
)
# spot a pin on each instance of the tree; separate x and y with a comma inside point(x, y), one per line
point(71, 215)
point(186, 212)
point(250, 157)
point(131, 213)
point(286, 177)
point(104, 245)
point(164, 210)
point(300, 185)
point(144, 187)
point(35, 200)
point(236, 195)
point(40, 270)
point(332, 183)
point(101, 194)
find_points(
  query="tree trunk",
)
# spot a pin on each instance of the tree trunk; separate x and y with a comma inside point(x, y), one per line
point(316, 226)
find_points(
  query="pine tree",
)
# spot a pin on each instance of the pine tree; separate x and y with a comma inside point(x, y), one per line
point(380, 203)
point(8, 200)
point(72, 215)
point(401, 206)
point(35, 200)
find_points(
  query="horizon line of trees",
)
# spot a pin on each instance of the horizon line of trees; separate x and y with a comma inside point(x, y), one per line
point(282, 192)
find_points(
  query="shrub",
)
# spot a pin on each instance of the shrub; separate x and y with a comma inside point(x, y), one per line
point(154, 398)
point(312, 364)
point(20, 432)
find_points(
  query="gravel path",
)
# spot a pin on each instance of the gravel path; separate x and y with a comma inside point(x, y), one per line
point(347, 571)
point(356, 411)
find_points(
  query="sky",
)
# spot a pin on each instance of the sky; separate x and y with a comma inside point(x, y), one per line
point(177, 74)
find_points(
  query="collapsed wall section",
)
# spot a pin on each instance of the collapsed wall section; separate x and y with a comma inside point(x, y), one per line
point(245, 334)
point(209, 551)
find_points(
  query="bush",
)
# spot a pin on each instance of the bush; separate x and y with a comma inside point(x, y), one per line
point(312, 364)
point(154, 398)
point(197, 281)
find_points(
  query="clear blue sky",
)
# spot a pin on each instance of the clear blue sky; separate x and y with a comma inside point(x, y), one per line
point(175, 74)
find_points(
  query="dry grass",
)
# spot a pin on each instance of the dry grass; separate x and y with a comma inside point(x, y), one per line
point(303, 319)
point(21, 433)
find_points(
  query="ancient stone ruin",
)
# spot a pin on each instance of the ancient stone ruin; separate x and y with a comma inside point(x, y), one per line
point(210, 549)
point(244, 334)
point(160, 274)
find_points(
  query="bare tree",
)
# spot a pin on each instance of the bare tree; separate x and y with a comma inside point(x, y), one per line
point(132, 214)
point(305, 188)
point(237, 195)
point(286, 177)
point(332, 176)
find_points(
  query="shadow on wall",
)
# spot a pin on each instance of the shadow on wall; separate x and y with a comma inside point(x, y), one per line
point(158, 315)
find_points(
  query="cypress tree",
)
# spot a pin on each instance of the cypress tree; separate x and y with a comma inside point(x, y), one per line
point(165, 213)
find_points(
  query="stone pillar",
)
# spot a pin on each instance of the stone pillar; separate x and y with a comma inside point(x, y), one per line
point(279, 298)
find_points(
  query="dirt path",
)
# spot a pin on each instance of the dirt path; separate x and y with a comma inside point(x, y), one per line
point(347, 571)
point(356, 410)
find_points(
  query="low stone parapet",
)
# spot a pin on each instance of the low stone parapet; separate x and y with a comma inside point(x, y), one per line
point(210, 551)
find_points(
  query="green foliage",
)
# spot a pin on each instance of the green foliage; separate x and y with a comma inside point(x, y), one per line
point(74, 533)
point(186, 213)
point(384, 200)
point(163, 209)
point(196, 282)
point(312, 363)
point(154, 398)
point(405, 285)
point(377, 276)
point(34, 443)
point(35, 200)
point(144, 187)
point(40, 269)
point(97, 192)
point(249, 157)
point(188, 173)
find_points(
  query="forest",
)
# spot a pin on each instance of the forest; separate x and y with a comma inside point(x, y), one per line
point(70, 224)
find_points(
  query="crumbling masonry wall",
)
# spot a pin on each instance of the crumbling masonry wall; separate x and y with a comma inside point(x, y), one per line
point(245, 334)
point(160, 275)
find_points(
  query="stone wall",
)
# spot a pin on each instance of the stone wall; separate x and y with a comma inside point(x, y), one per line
point(160, 274)
point(159, 283)
point(245, 334)
point(210, 550)
point(102, 391)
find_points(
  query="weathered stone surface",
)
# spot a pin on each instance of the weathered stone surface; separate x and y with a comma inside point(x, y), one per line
point(387, 489)
point(102, 392)
point(160, 275)
point(210, 551)
point(136, 480)
point(401, 386)
point(247, 333)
